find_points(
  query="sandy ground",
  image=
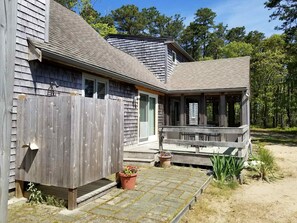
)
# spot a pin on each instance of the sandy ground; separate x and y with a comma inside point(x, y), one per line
point(255, 201)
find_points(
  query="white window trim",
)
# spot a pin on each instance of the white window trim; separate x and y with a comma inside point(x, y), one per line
point(96, 79)
point(174, 56)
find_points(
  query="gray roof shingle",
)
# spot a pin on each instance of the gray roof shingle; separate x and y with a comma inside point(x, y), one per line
point(229, 73)
point(70, 36)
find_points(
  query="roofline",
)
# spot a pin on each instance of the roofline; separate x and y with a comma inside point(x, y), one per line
point(125, 36)
point(111, 74)
point(200, 91)
point(180, 49)
point(47, 54)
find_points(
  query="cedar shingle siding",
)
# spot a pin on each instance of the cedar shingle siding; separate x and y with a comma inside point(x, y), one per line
point(31, 22)
point(126, 92)
point(154, 53)
point(150, 53)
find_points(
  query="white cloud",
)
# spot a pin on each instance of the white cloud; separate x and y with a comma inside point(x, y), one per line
point(250, 14)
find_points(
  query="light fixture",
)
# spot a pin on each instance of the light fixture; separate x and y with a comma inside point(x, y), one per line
point(51, 91)
point(247, 93)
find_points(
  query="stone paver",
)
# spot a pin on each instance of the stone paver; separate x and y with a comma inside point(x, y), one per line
point(160, 194)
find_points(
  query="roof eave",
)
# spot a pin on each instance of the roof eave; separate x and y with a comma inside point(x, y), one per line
point(200, 91)
point(180, 49)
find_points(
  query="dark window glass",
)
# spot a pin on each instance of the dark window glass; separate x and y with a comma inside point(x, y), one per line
point(89, 88)
point(100, 90)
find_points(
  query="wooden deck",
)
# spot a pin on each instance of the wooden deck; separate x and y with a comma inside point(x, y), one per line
point(195, 145)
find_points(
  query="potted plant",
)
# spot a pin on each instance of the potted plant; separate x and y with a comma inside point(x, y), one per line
point(165, 159)
point(128, 177)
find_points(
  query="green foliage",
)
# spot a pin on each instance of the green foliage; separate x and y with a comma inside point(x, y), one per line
point(236, 49)
point(70, 4)
point(129, 170)
point(53, 201)
point(197, 36)
point(268, 66)
point(160, 25)
point(37, 197)
point(226, 168)
point(285, 11)
point(265, 163)
point(128, 20)
point(236, 34)
point(94, 19)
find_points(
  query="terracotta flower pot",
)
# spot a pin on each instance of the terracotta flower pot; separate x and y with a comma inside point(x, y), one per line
point(128, 181)
point(165, 161)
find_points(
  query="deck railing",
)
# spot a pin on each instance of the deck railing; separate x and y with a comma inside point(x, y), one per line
point(204, 136)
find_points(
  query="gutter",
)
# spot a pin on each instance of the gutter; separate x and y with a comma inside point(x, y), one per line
point(200, 91)
point(94, 69)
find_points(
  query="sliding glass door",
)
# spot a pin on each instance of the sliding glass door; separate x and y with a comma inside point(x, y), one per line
point(147, 117)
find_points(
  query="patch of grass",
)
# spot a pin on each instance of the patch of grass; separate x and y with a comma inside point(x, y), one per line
point(221, 190)
point(292, 130)
point(276, 136)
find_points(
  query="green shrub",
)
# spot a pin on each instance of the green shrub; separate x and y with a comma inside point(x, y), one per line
point(267, 163)
point(37, 197)
point(226, 168)
point(220, 169)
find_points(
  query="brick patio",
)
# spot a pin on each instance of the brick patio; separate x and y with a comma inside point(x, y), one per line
point(161, 195)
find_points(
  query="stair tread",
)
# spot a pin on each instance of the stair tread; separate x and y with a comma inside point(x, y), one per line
point(138, 159)
point(140, 151)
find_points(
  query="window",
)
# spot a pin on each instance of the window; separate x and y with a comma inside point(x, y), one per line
point(94, 87)
point(193, 113)
point(174, 57)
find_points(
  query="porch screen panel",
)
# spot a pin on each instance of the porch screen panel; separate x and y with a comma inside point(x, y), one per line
point(152, 115)
point(193, 113)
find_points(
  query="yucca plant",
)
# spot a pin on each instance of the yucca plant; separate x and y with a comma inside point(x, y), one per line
point(220, 167)
point(226, 168)
point(236, 165)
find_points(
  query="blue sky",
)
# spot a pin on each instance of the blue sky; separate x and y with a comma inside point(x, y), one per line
point(248, 13)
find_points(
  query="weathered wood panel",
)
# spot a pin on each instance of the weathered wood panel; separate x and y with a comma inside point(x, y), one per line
point(207, 137)
point(80, 140)
point(7, 55)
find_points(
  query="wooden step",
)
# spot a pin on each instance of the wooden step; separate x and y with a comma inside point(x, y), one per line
point(139, 161)
point(140, 154)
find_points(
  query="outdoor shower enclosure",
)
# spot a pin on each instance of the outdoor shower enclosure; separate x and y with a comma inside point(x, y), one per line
point(68, 141)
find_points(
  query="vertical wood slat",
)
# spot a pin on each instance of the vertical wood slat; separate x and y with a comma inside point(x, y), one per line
point(8, 11)
point(202, 110)
point(182, 110)
point(79, 139)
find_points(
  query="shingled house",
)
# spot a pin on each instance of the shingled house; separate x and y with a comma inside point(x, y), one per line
point(158, 81)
